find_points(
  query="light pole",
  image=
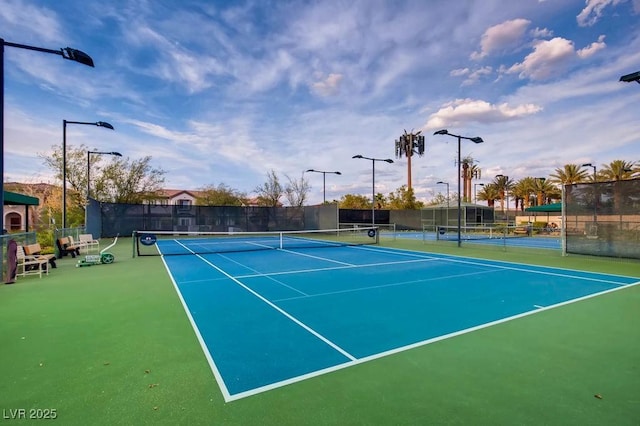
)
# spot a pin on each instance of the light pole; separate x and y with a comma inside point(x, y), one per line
point(117, 154)
point(66, 53)
point(475, 139)
point(594, 170)
point(445, 183)
point(373, 182)
point(64, 161)
point(595, 194)
point(324, 182)
point(475, 192)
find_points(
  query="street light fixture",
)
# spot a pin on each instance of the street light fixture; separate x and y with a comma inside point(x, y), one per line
point(594, 170)
point(117, 154)
point(324, 181)
point(64, 160)
point(475, 139)
point(475, 192)
point(634, 76)
point(66, 53)
point(373, 182)
point(445, 183)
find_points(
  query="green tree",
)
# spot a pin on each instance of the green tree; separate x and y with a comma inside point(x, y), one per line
point(119, 180)
point(489, 193)
point(569, 174)
point(404, 199)
point(354, 201)
point(522, 191)
point(128, 181)
point(504, 186)
point(220, 195)
point(617, 171)
point(270, 192)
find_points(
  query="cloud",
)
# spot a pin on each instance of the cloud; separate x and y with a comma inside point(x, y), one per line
point(593, 11)
point(551, 57)
point(328, 86)
point(592, 48)
point(468, 110)
point(472, 75)
point(501, 37)
point(547, 59)
point(538, 33)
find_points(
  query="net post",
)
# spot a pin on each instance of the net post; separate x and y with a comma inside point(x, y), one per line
point(133, 244)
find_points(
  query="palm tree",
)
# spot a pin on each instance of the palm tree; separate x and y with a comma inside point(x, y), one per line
point(569, 175)
point(504, 185)
point(617, 171)
point(489, 193)
point(522, 190)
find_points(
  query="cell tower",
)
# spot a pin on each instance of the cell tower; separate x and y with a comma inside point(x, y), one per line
point(407, 145)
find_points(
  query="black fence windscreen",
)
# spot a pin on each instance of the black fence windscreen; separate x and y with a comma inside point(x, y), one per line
point(603, 218)
point(123, 219)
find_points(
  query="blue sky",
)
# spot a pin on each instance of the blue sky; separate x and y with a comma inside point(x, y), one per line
point(225, 91)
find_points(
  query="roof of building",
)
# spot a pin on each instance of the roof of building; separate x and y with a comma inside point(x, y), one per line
point(15, 199)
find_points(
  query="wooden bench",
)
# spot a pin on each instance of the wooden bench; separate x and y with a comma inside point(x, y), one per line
point(29, 265)
point(522, 230)
point(36, 251)
point(65, 247)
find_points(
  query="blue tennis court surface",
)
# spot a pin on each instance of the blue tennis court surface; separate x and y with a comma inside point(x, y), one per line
point(537, 242)
point(270, 318)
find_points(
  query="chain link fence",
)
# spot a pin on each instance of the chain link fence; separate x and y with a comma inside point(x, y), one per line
point(603, 218)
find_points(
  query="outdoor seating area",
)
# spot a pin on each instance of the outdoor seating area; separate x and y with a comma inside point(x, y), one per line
point(66, 246)
point(30, 265)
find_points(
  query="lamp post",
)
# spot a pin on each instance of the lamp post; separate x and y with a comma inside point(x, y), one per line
point(594, 170)
point(475, 192)
point(117, 154)
point(64, 161)
point(66, 53)
point(373, 182)
point(475, 139)
point(324, 182)
point(445, 183)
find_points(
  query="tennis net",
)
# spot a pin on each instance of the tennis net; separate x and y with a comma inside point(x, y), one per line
point(166, 243)
point(481, 232)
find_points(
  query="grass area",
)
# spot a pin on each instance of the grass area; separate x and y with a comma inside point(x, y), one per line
point(110, 345)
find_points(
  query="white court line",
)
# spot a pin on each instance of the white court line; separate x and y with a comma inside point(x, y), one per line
point(386, 285)
point(277, 308)
point(335, 268)
point(266, 276)
point(214, 369)
point(499, 265)
point(292, 380)
point(354, 361)
point(318, 257)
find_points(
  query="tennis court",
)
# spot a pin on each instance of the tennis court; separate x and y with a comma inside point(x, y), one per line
point(269, 318)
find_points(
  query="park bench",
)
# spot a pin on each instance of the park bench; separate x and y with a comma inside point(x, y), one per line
point(30, 265)
point(36, 251)
point(65, 247)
